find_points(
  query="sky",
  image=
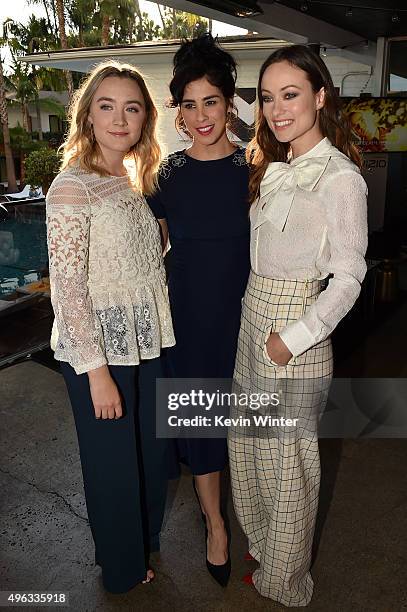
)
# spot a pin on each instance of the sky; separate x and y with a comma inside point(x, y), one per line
point(20, 10)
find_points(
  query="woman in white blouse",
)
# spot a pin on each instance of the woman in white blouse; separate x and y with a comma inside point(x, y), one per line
point(111, 311)
point(308, 224)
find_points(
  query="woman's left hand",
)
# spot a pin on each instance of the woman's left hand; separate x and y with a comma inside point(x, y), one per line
point(277, 350)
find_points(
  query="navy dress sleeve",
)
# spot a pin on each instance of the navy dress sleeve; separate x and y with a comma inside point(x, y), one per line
point(155, 202)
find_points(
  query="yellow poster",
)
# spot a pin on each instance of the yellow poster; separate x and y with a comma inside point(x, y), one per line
point(378, 124)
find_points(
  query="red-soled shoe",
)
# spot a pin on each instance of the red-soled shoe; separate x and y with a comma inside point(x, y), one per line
point(248, 557)
point(248, 579)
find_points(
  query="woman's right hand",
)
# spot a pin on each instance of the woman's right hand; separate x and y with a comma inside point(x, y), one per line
point(105, 394)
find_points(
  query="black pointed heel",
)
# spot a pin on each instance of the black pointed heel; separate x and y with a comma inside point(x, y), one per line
point(220, 573)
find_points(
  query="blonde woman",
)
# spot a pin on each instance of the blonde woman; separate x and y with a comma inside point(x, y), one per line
point(111, 312)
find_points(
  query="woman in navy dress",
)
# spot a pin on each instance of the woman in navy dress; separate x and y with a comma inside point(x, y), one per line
point(202, 203)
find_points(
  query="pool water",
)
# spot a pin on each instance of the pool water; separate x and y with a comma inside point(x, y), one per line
point(23, 247)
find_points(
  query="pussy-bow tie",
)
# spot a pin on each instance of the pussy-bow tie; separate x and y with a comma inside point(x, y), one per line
point(278, 188)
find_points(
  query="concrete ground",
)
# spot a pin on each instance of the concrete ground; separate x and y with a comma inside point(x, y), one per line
point(46, 545)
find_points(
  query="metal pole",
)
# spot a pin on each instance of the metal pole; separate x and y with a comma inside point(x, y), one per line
point(381, 67)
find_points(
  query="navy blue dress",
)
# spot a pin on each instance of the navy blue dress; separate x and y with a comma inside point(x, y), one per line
point(206, 207)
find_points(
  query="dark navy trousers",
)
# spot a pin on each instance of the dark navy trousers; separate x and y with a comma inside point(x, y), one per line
point(124, 470)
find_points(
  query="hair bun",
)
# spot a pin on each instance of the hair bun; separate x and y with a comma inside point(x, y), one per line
point(198, 58)
point(203, 50)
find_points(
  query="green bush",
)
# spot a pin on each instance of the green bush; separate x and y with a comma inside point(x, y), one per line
point(41, 167)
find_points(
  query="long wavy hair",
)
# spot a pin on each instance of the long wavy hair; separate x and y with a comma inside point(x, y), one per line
point(80, 145)
point(265, 148)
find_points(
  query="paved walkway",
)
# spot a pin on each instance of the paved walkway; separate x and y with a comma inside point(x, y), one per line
point(45, 542)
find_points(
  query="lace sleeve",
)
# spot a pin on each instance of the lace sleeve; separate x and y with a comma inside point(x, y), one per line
point(68, 224)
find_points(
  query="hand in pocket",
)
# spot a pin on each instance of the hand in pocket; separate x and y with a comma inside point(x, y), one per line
point(277, 350)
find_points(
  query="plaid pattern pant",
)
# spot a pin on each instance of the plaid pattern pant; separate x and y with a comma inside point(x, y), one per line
point(275, 473)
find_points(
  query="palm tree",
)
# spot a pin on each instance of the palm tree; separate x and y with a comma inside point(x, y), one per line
point(26, 87)
point(140, 18)
point(64, 42)
point(19, 81)
point(195, 24)
point(49, 6)
point(174, 24)
point(161, 15)
point(80, 12)
point(24, 81)
point(11, 173)
point(48, 79)
point(33, 36)
point(179, 24)
point(107, 10)
point(116, 13)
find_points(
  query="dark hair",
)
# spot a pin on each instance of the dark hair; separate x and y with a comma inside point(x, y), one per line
point(265, 148)
point(198, 58)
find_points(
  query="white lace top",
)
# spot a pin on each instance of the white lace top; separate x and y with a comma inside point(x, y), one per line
point(107, 276)
point(310, 222)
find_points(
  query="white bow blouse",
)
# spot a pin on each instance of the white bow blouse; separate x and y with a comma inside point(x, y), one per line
point(310, 222)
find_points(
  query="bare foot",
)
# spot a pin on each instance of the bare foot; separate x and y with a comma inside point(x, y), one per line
point(217, 550)
point(149, 576)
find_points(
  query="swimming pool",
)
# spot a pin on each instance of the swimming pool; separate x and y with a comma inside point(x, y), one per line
point(23, 246)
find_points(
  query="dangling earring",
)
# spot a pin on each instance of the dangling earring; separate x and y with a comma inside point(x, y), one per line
point(92, 133)
point(181, 125)
point(231, 115)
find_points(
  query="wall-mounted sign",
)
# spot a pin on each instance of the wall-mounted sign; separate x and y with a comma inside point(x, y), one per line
point(378, 124)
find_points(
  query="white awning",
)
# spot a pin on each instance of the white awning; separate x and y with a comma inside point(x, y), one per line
point(84, 59)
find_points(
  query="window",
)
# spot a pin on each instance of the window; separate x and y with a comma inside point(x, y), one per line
point(397, 67)
point(55, 123)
